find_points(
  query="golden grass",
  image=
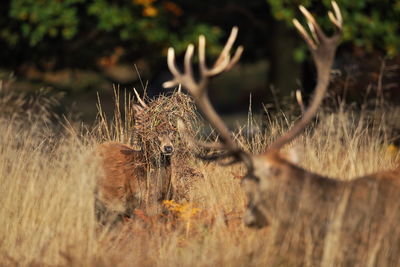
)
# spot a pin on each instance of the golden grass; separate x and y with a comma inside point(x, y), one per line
point(47, 198)
point(47, 201)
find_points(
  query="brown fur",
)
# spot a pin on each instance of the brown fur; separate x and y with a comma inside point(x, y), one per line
point(129, 182)
point(276, 179)
point(286, 196)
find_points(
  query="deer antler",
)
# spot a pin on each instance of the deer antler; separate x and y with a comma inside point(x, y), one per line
point(323, 51)
point(322, 48)
point(299, 99)
point(198, 89)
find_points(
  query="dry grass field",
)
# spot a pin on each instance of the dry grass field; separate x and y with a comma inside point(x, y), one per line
point(47, 197)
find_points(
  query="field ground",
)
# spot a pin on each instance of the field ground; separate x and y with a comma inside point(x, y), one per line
point(47, 198)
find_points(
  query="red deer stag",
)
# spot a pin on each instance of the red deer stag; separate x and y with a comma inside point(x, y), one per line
point(134, 177)
point(282, 193)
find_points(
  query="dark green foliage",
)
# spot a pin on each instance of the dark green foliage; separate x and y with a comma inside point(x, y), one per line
point(38, 19)
point(372, 24)
point(55, 34)
point(67, 28)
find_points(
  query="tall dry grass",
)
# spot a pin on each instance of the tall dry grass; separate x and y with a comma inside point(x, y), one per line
point(48, 184)
point(46, 195)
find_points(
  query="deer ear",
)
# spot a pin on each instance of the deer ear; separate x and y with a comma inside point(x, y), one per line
point(138, 109)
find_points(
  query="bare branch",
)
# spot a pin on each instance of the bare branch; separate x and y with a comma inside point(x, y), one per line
point(140, 100)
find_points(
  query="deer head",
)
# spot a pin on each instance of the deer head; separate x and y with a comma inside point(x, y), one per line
point(269, 169)
point(164, 139)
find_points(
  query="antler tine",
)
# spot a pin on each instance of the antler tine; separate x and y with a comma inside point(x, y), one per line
point(323, 51)
point(187, 78)
point(299, 99)
point(313, 33)
point(188, 60)
point(218, 67)
point(315, 28)
point(228, 46)
point(316, 31)
point(172, 68)
point(235, 58)
point(310, 42)
point(336, 19)
point(224, 62)
point(171, 62)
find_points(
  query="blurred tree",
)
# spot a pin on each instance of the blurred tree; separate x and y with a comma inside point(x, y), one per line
point(370, 24)
point(91, 33)
point(263, 37)
point(80, 32)
point(371, 34)
point(267, 32)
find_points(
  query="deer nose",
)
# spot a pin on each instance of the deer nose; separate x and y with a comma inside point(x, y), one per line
point(168, 149)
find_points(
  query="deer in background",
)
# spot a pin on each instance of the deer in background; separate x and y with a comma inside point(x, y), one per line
point(133, 178)
point(279, 191)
